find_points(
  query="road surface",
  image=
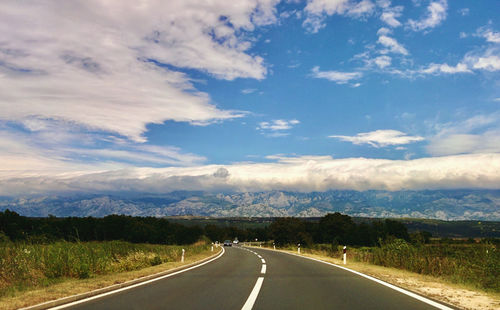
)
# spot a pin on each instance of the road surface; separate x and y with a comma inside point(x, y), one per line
point(259, 279)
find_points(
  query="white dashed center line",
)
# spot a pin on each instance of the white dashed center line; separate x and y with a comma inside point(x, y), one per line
point(256, 289)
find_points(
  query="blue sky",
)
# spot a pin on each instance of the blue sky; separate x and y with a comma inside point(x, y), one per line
point(294, 95)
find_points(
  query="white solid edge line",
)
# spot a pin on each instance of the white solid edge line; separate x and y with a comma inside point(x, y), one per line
point(135, 285)
point(259, 256)
point(263, 270)
point(263, 261)
point(401, 290)
point(253, 295)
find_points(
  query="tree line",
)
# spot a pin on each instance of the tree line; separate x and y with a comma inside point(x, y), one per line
point(333, 228)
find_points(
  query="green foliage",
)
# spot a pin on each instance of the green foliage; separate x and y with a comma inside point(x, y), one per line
point(30, 265)
point(476, 264)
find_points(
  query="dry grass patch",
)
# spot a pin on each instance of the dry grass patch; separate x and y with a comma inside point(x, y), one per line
point(71, 286)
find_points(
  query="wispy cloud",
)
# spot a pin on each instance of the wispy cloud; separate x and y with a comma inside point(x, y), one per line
point(445, 68)
point(380, 138)
point(392, 45)
point(476, 134)
point(390, 14)
point(247, 91)
point(335, 76)
point(89, 67)
point(278, 125)
point(435, 15)
point(317, 10)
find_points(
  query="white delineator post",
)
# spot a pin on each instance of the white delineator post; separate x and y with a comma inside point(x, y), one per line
point(345, 255)
point(182, 257)
point(274, 246)
point(298, 248)
point(212, 249)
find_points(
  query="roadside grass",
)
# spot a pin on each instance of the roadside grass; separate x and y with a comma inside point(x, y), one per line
point(34, 273)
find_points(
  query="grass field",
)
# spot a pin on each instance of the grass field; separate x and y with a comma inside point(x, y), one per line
point(27, 266)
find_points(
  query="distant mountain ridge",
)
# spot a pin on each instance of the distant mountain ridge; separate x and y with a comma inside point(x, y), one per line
point(436, 204)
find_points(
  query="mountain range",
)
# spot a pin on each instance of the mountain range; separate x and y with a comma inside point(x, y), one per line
point(435, 204)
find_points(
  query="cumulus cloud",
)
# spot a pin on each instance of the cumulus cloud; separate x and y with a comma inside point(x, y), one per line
point(317, 10)
point(380, 138)
point(435, 15)
point(111, 66)
point(335, 76)
point(304, 174)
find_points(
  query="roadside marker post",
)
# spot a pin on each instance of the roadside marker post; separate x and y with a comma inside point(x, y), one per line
point(212, 249)
point(274, 246)
point(345, 255)
point(182, 257)
point(298, 248)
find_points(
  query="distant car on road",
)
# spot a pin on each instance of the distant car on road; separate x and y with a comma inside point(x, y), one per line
point(228, 243)
point(235, 241)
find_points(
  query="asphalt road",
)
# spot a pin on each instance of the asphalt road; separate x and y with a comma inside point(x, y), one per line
point(287, 282)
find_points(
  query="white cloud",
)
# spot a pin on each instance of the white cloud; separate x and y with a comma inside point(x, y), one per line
point(72, 151)
point(304, 174)
point(476, 134)
point(392, 44)
point(489, 60)
point(278, 125)
point(445, 68)
point(489, 34)
point(383, 61)
point(436, 14)
point(96, 64)
point(247, 91)
point(390, 15)
point(464, 11)
point(384, 31)
point(317, 10)
point(380, 138)
point(335, 76)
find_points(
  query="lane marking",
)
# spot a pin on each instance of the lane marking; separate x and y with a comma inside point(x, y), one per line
point(263, 270)
point(253, 295)
point(263, 261)
point(259, 256)
point(401, 290)
point(136, 285)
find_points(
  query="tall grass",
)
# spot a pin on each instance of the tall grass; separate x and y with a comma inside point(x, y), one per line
point(477, 264)
point(25, 265)
point(474, 264)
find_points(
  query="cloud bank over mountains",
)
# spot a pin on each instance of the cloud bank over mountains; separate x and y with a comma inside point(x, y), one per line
point(301, 174)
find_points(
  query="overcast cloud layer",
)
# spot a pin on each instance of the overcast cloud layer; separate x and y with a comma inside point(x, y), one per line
point(248, 95)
